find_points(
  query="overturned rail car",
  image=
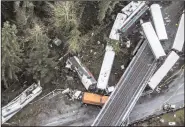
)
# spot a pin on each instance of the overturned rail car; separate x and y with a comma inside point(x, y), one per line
point(179, 38)
point(163, 70)
point(114, 34)
point(158, 22)
point(84, 74)
point(153, 41)
point(20, 101)
point(127, 18)
point(134, 17)
point(106, 68)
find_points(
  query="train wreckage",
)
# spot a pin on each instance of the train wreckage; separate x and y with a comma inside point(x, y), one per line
point(119, 101)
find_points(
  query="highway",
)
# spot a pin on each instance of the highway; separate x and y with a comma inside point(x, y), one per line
point(147, 107)
point(128, 89)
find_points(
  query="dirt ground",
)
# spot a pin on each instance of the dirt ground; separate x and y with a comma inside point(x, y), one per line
point(58, 105)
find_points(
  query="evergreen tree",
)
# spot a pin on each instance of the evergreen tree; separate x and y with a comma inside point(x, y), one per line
point(103, 7)
point(65, 16)
point(24, 13)
point(11, 53)
point(38, 61)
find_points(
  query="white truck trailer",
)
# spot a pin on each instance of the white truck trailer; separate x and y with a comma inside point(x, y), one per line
point(158, 22)
point(163, 70)
point(106, 68)
point(179, 38)
point(153, 41)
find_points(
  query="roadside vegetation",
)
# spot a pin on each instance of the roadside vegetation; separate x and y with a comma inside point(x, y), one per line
point(163, 120)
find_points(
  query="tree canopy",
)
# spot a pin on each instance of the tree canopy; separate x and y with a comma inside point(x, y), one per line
point(11, 53)
point(39, 64)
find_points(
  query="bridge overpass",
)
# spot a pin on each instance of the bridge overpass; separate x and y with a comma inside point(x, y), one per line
point(128, 89)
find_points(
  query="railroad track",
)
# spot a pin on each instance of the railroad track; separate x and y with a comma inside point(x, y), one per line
point(128, 89)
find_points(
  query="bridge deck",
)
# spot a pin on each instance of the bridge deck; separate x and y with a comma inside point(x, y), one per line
point(128, 89)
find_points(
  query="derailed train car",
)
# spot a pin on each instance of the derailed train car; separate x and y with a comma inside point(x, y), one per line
point(153, 41)
point(84, 74)
point(138, 12)
point(20, 101)
point(127, 18)
point(158, 22)
point(179, 38)
point(106, 69)
point(172, 58)
point(114, 34)
point(163, 70)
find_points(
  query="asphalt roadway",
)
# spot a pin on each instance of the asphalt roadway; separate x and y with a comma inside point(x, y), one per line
point(151, 105)
point(147, 106)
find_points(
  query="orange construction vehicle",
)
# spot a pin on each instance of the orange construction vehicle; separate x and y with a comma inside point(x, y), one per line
point(94, 99)
point(91, 98)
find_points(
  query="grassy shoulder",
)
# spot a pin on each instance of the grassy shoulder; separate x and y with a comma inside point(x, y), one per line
point(165, 119)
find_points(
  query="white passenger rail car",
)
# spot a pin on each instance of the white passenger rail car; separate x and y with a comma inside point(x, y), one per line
point(158, 22)
point(132, 6)
point(128, 16)
point(106, 68)
point(114, 34)
point(136, 14)
point(20, 101)
point(163, 70)
point(84, 74)
point(179, 38)
point(153, 41)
